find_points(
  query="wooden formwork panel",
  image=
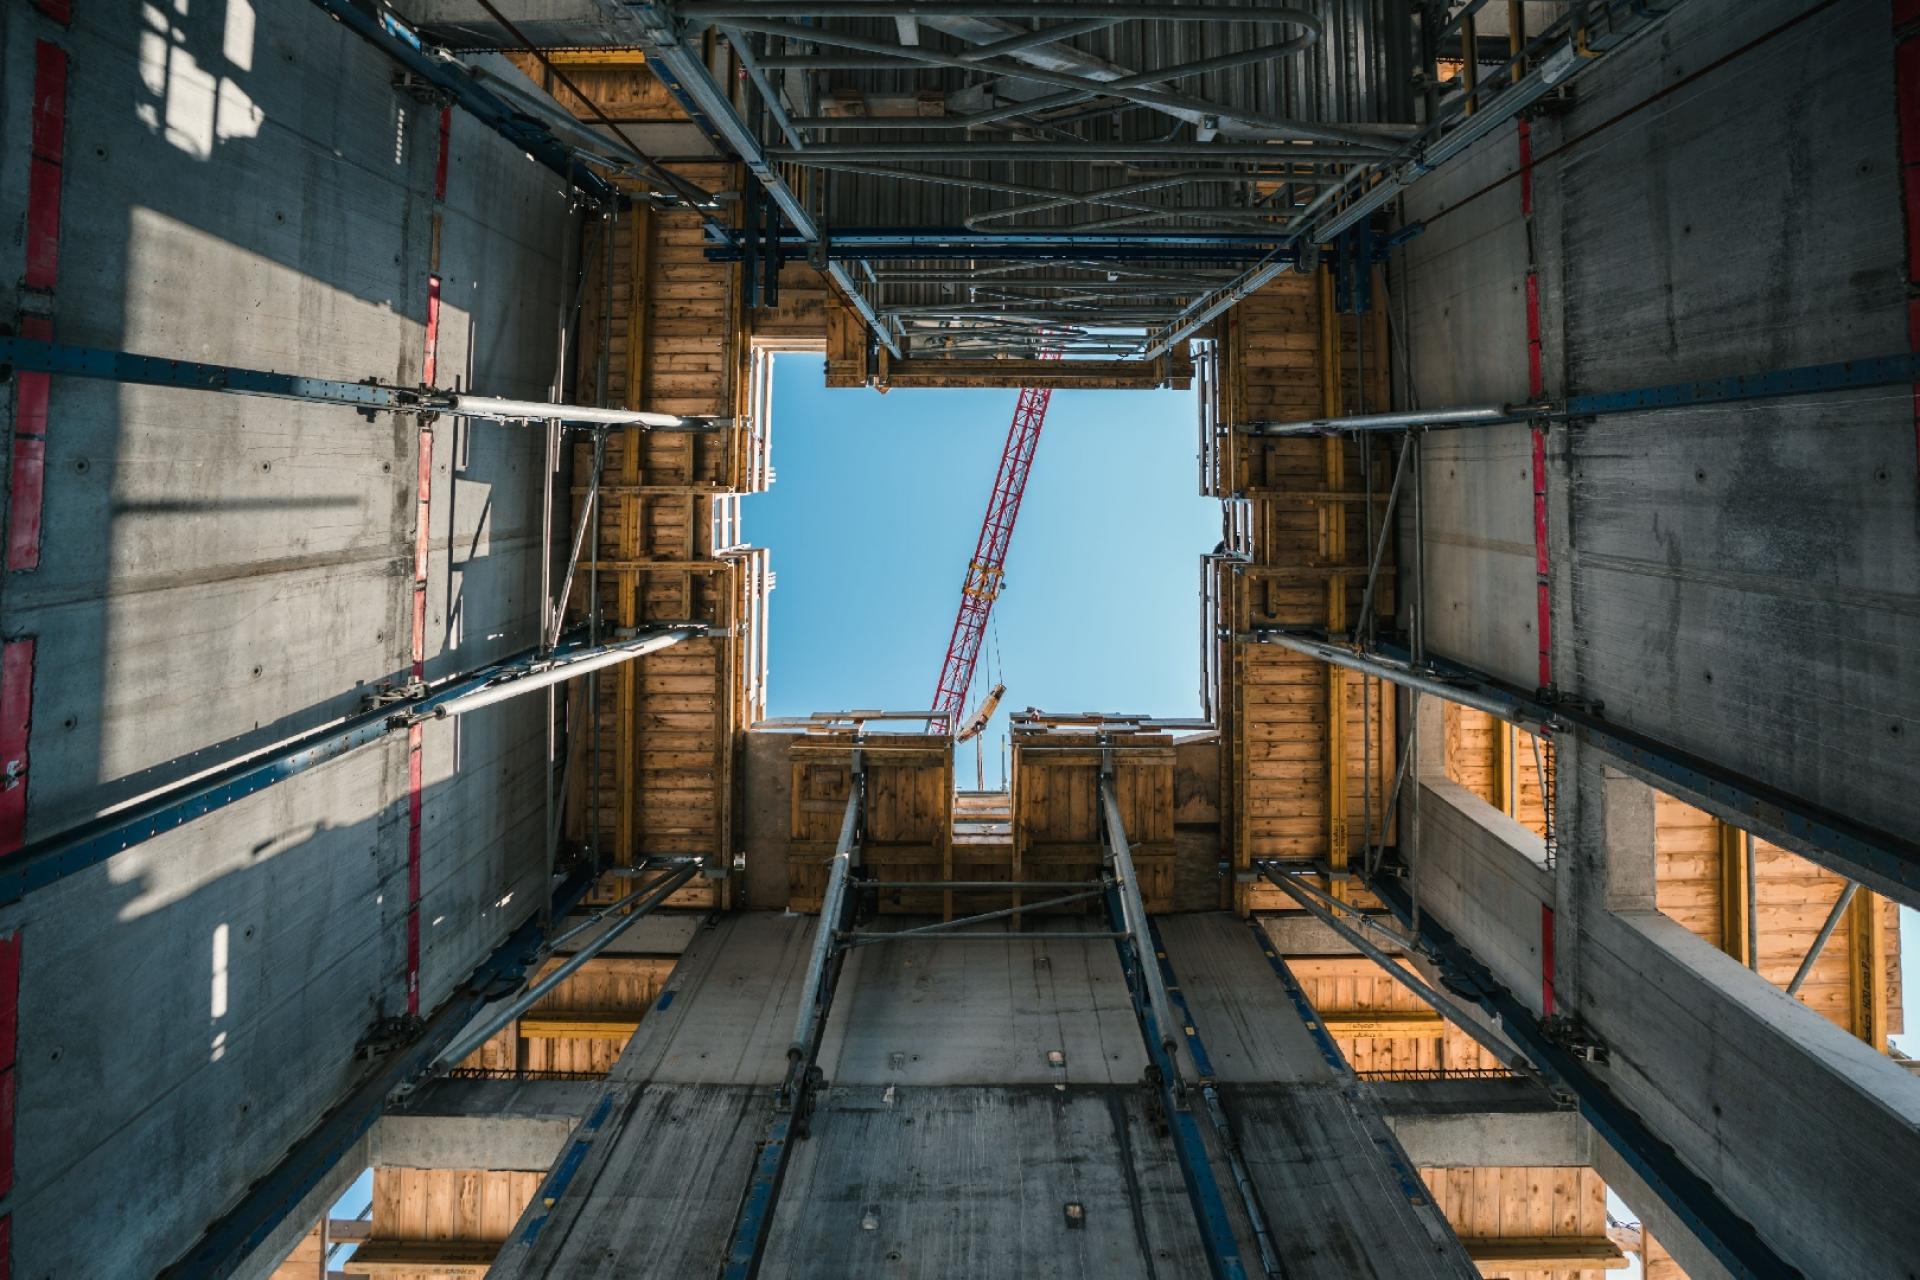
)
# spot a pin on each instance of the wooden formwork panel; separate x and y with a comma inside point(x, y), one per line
point(661, 326)
point(1057, 823)
point(1380, 1026)
point(907, 823)
point(1545, 1223)
point(1700, 882)
point(582, 1025)
point(429, 1224)
point(1307, 749)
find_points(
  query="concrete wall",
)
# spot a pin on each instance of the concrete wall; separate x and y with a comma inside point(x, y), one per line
point(243, 185)
point(1744, 581)
point(1804, 1130)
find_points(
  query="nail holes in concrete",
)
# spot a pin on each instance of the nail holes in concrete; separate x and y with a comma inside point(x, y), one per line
point(1709, 677)
point(80, 465)
point(1881, 475)
point(257, 671)
point(266, 466)
point(1701, 476)
point(278, 216)
point(70, 723)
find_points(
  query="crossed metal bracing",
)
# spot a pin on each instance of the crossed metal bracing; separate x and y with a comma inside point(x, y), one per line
point(1023, 119)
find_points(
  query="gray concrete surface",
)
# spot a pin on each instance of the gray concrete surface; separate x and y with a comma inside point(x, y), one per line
point(243, 185)
point(1493, 1123)
point(1800, 1127)
point(1742, 581)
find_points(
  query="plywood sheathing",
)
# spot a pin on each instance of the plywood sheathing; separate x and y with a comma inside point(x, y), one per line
point(907, 827)
point(581, 1026)
point(667, 724)
point(1509, 1217)
point(1283, 716)
point(1701, 883)
point(1057, 826)
point(431, 1224)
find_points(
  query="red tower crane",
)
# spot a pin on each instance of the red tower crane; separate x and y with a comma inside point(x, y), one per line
point(988, 566)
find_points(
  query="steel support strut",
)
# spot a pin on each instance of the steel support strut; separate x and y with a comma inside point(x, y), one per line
point(368, 397)
point(1166, 1057)
point(793, 1105)
point(53, 858)
point(1881, 860)
point(230, 1241)
point(1731, 1239)
point(642, 901)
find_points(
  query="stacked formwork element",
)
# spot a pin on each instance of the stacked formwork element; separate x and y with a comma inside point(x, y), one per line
point(1307, 757)
point(660, 327)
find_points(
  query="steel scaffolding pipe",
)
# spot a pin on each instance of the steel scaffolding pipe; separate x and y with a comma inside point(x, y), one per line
point(816, 992)
point(556, 670)
point(1106, 14)
point(644, 900)
point(822, 155)
point(1375, 140)
point(1493, 1044)
point(1133, 915)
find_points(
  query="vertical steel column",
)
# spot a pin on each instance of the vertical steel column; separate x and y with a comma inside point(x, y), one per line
point(1156, 1013)
point(753, 1222)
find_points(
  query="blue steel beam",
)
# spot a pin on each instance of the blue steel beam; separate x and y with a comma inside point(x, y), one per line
point(67, 360)
point(1900, 369)
point(1217, 1111)
point(379, 27)
point(1881, 860)
point(684, 74)
point(53, 858)
point(891, 243)
point(231, 1240)
point(1730, 1237)
point(1183, 1127)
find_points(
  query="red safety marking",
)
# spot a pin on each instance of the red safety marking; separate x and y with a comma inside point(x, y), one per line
point(1526, 167)
point(1906, 81)
point(43, 181)
point(1546, 961)
point(16, 714)
point(1536, 377)
point(32, 391)
point(415, 741)
point(440, 161)
point(430, 366)
point(9, 1044)
point(26, 478)
point(61, 11)
point(1543, 626)
point(422, 548)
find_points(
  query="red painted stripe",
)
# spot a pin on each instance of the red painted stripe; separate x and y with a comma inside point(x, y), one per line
point(422, 552)
point(43, 180)
point(1536, 377)
point(33, 391)
point(415, 741)
point(430, 366)
point(1543, 624)
point(16, 714)
point(1906, 80)
point(1526, 167)
point(440, 161)
point(9, 1045)
point(1546, 961)
point(61, 11)
point(1905, 11)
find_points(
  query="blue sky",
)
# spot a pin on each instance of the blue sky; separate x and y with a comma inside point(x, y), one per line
point(874, 514)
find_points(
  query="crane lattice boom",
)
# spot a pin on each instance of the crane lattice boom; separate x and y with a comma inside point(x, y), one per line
point(988, 566)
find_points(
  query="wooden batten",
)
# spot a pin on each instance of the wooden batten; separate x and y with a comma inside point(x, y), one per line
point(1057, 825)
point(907, 831)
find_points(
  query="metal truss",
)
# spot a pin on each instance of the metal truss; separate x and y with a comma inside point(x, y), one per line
point(1730, 1238)
point(1881, 860)
point(52, 858)
point(231, 1240)
point(368, 397)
